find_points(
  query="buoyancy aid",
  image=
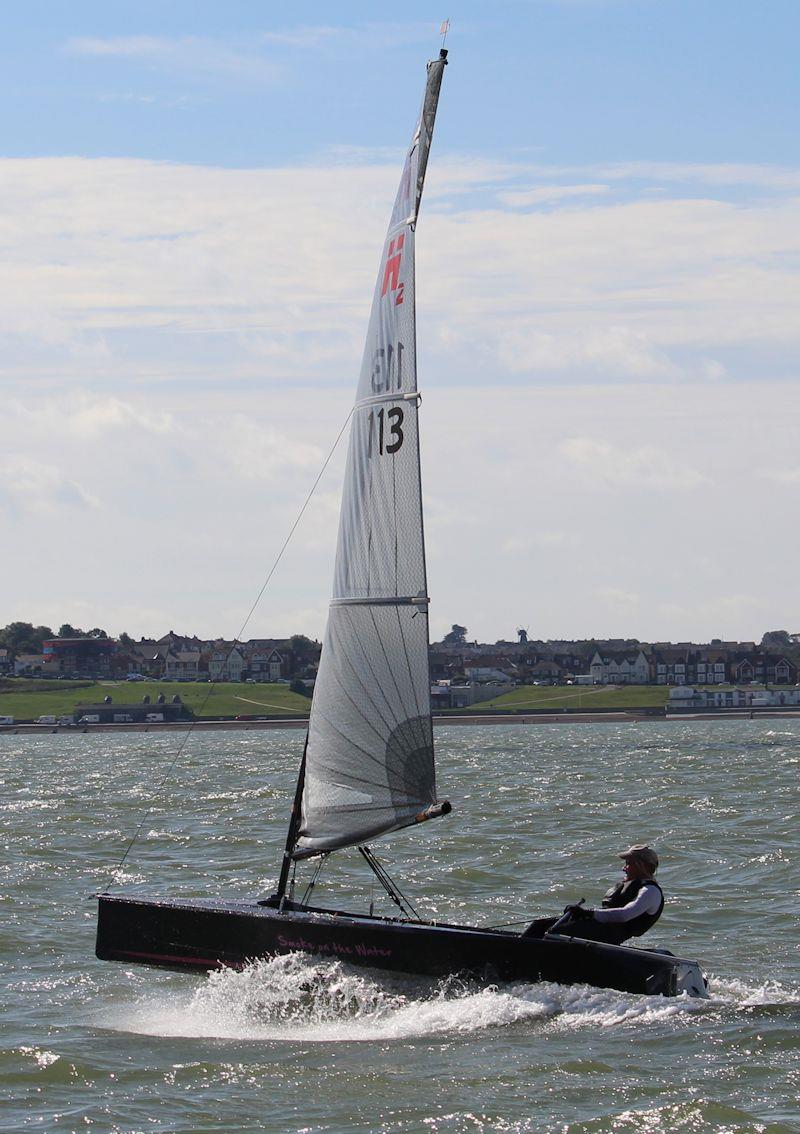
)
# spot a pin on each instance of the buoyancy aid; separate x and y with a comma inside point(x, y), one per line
point(623, 893)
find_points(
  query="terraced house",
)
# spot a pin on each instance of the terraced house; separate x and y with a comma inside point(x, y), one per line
point(620, 668)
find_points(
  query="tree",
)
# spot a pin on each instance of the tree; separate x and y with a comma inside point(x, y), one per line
point(456, 637)
point(13, 635)
point(776, 639)
point(97, 633)
point(24, 637)
point(67, 631)
point(299, 644)
point(126, 640)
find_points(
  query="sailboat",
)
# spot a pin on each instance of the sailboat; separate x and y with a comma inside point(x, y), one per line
point(368, 761)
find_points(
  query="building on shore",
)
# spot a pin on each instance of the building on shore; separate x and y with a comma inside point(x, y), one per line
point(686, 698)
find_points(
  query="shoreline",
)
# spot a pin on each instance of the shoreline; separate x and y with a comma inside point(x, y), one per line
point(622, 716)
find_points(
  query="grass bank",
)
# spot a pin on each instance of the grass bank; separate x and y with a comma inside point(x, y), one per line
point(552, 698)
point(27, 700)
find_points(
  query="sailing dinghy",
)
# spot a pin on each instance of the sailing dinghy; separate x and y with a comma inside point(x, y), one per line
point(368, 764)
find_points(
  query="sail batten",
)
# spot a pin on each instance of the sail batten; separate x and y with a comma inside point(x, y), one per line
point(369, 765)
point(398, 600)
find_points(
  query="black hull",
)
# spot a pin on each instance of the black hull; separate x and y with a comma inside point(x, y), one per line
point(209, 934)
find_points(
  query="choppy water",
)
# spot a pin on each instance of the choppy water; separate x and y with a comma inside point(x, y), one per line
point(296, 1044)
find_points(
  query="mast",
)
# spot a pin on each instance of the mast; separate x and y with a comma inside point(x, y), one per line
point(291, 835)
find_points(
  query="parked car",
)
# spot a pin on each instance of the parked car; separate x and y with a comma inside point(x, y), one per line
point(48, 718)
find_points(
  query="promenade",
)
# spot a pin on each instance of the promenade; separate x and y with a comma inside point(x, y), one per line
point(611, 717)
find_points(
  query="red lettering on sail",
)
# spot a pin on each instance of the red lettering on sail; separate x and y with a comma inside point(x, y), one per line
point(391, 273)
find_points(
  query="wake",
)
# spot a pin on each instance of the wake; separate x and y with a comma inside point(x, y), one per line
point(300, 999)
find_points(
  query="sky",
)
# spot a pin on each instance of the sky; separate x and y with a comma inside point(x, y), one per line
point(194, 198)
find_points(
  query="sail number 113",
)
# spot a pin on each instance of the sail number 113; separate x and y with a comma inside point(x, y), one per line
point(384, 431)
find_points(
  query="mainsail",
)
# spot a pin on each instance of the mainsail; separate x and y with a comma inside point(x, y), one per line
point(369, 753)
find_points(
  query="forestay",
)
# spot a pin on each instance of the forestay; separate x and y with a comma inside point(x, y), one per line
point(369, 757)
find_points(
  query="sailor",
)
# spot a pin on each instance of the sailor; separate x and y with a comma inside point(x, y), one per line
point(629, 909)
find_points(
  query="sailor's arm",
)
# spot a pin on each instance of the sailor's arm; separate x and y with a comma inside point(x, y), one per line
point(646, 901)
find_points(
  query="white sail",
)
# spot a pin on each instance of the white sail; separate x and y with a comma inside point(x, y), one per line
point(369, 756)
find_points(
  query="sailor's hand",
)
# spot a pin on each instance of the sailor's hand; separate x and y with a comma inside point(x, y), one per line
point(578, 912)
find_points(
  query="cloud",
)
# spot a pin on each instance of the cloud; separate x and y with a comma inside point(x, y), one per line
point(129, 96)
point(253, 60)
point(32, 485)
point(521, 198)
point(603, 465)
point(180, 347)
point(726, 611)
point(257, 451)
point(781, 476)
point(634, 289)
point(619, 601)
point(159, 272)
point(370, 36)
point(87, 417)
point(185, 522)
point(133, 46)
point(659, 174)
point(305, 37)
point(617, 350)
point(92, 417)
point(524, 542)
point(187, 54)
point(782, 178)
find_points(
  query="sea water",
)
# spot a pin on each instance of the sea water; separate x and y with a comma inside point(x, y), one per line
point(299, 1044)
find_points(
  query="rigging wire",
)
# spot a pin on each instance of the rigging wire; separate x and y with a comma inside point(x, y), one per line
point(389, 885)
point(189, 732)
point(313, 879)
